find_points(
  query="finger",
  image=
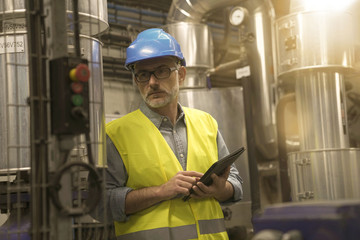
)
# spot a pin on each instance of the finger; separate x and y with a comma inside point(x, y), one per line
point(185, 185)
point(197, 192)
point(192, 174)
point(187, 179)
point(202, 188)
point(226, 172)
point(215, 178)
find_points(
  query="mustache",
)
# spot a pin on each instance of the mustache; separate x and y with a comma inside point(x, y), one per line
point(156, 92)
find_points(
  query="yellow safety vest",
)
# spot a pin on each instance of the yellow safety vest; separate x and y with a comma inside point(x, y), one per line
point(149, 161)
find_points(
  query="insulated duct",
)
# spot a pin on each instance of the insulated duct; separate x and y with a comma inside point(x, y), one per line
point(189, 15)
point(195, 10)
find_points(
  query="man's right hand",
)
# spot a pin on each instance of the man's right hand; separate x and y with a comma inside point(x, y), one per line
point(180, 184)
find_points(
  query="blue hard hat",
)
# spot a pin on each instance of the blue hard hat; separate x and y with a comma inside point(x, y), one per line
point(152, 43)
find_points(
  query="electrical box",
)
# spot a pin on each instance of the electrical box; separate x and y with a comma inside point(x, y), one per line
point(69, 86)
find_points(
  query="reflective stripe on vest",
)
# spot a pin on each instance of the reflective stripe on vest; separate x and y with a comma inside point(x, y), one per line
point(212, 226)
point(178, 233)
point(174, 233)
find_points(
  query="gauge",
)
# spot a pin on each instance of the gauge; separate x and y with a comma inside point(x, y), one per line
point(237, 15)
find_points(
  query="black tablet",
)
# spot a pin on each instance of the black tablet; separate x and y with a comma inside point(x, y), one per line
point(218, 168)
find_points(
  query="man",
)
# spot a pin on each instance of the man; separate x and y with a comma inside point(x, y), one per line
point(157, 153)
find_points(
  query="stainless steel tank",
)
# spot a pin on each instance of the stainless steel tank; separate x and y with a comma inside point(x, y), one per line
point(14, 80)
point(92, 14)
point(314, 40)
point(325, 174)
point(15, 112)
point(14, 109)
point(315, 51)
point(197, 47)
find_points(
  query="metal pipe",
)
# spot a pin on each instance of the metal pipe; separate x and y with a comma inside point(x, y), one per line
point(194, 11)
point(260, 56)
point(250, 137)
point(283, 146)
point(39, 130)
point(225, 66)
point(259, 51)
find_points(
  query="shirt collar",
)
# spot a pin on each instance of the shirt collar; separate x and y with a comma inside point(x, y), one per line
point(156, 118)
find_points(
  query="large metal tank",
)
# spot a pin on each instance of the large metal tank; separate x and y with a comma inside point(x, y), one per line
point(311, 40)
point(197, 48)
point(325, 174)
point(14, 109)
point(14, 80)
point(315, 52)
point(92, 14)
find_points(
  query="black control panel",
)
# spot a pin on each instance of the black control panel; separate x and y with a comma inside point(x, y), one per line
point(69, 86)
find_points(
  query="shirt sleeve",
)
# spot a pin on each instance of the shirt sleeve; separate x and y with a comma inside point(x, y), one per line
point(234, 176)
point(112, 205)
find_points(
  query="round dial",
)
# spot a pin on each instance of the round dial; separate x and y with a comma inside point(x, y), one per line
point(237, 16)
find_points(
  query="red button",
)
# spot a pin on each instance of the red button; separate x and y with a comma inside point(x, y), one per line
point(82, 72)
point(77, 87)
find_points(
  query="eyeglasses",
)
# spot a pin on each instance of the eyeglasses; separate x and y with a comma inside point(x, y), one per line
point(159, 73)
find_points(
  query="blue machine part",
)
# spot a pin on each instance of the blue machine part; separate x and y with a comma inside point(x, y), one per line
point(16, 228)
point(17, 225)
point(330, 220)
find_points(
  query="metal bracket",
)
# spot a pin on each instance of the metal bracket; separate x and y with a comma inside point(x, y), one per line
point(303, 162)
point(290, 43)
point(306, 195)
point(289, 62)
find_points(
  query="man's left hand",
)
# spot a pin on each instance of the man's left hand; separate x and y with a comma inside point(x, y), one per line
point(220, 189)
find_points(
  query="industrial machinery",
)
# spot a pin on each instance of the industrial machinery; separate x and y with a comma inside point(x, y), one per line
point(315, 52)
point(284, 84)
point(52, 116)
point(316, 55)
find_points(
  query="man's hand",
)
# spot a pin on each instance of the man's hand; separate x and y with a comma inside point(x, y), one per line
point(220, 189)
point(140, 199)
point(180, 184)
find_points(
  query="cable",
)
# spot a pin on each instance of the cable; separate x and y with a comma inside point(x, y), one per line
point(76, 27)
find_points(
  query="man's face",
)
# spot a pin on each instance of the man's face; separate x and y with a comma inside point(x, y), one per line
point(156, 92)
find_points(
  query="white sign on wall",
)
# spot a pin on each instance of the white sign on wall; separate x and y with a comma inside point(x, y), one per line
point(12, 44)
point(242, 72)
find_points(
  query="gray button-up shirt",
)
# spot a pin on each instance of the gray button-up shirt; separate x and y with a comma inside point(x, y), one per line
point(176, 137)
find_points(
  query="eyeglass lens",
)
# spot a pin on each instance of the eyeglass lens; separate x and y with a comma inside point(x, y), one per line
point(160, 73)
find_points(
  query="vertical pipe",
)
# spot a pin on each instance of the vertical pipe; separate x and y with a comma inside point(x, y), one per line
point(251, 147)
point(76, 24)
point(259, 48)
point(281, 129)
point(38, 120)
